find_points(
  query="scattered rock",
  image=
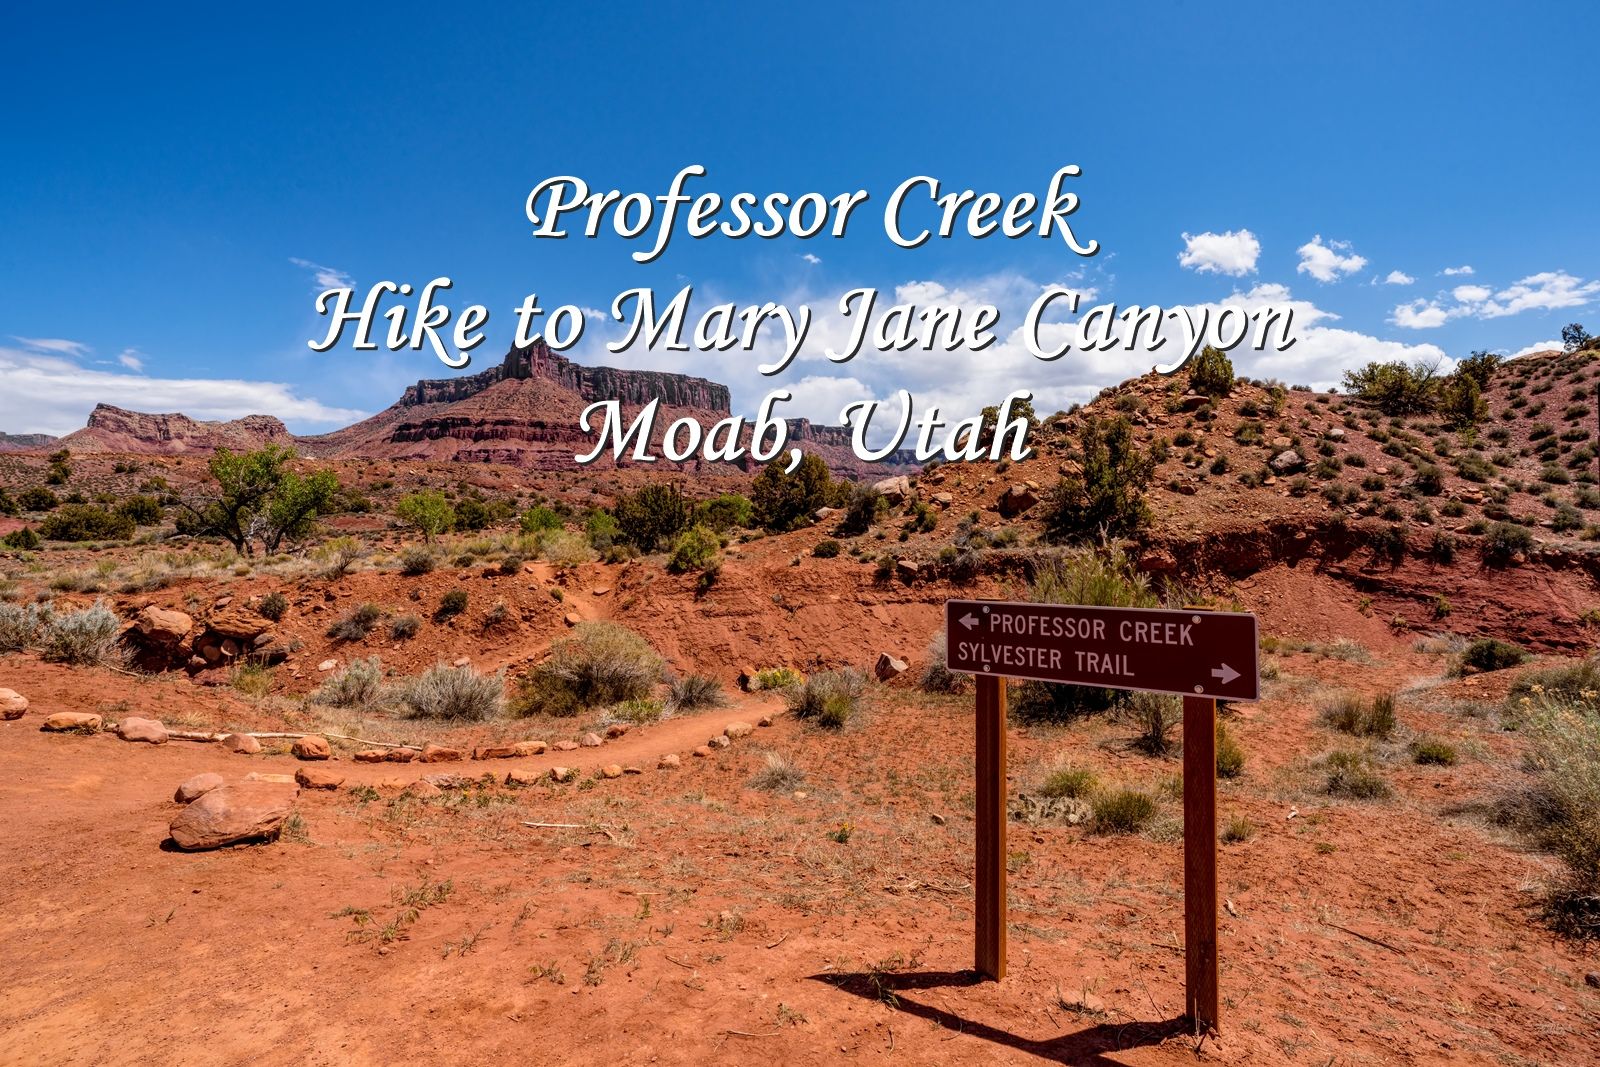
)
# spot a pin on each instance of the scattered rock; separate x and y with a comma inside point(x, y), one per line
point(318, 778)
point(565, 746)
point(446, 780)
point(371, 755)
point(736, 730)
point(243, 744)
point(633, 770)
point(602, 591)
point(462, 661)
point(12, 704)
point(591, 741)
point(669, 762)
point(824, 514)
point(524, 777)
point(1336, 434)
point(749, 679)
point(503, 751)
point(311, 747)
point(149, 731)
point(616, 730)
point(701, 752)
point(889, 668)
point(440, 754)
point(765, 720)
point(905, 569)
point(161, 626)
point(1016, 500)
point(531, 748)
point(77, 722)
point(421, 789)
point(938, 820)
point(327, 665)
point(611, 770)
point(399, 755)
point(1286, 462)
point(944, 500)
point(894, 490)
point(274, 779)
point(1083, 1002)
point(562, 774)
point(197, 787)
point(229, 814)
point(1194, 401)
point(572, 618)
point(720, 741)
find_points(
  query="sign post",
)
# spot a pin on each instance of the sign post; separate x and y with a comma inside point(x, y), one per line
point(1202, 656)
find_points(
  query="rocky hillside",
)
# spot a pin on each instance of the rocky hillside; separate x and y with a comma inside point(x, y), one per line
point(113, 429)
point(21, 442)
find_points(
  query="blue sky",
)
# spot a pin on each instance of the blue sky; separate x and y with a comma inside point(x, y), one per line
point(167, 175)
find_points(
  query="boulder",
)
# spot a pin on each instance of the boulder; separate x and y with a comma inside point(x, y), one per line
point(228, 814)
point(12, 704)
point(149, 731)
point(197, 787)
point(562, 774)
point(888, 667)
point(749, 679)
point(701, 751)
point(524, 777)
point(421, 789)
point(1194, 401)
point(162, 627)
point(736, 730)
point(905, 569)
point(1286, 462)
point(611, 770)
point(75, 722)
point(1016, 500)
point(531, 748)
point(501, 751)
point(440, 754)
point(565, 745)
point(572, 618)
point(720, 741)
point(370, 755)
point(591, 740)
point(318, 778)
point(944, 500)
point(895, 490)
point(669, 762)
point(243, 744)
point(824, 514)
point(616, 730)
point(399, 755)
point(311, 747)
point(238, 623)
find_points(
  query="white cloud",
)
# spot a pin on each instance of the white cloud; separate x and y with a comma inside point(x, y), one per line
point(1451, 272)
point(1325, 263)
point(1471, 294)
point(1234, 253)
point(1539, 292)
point(53, 344)
point(48, 394)
point(1397, 277)
point(131, 359)
point(811, 259)
point(325, 277)
point(1419, 315)
point(1537, 346)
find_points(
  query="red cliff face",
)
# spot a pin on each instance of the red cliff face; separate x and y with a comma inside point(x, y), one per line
point(114, 429)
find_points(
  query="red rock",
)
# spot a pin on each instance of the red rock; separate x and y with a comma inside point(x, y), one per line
point(888, 667)
point(524, 777)
point(668, 762)
point(421, 789)
point(591, 740)
point(197, 787)
point(562, 774)
point(565, 746)
point(371, 755)
point(161, 626)
point(720, 741)
point(531, 748)
point(573, 618)
point(311, 747)
point(318, 778)
point(701, 752)
point(229, 814)
point(765, 720)
point(440, 754)
point(399, 755)
point(611, 770)
point(503, 751)
point(633, 770)
point(13, 705)
point(149, 731)
point(736, 730)
point(243, 744)
point(78, 722)
point(616, 729)
point(276, 779)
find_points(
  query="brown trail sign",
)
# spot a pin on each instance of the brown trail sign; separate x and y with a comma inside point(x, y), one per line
point(1203, 656)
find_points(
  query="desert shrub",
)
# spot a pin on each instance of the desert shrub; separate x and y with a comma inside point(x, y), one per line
point(85, 522)
point(1489, 654)
point(273, 606)
point(1155, 714)
point(652, 516)
point(427, 512)
point(252, 679)
point(143, 510)
point(1105, 495)
point(600, 663)
point(779, 775)
point(417, 560)
point(22, 538)
point(8, 506)
point(1238, 829)
point(451, 604)
point(1431, 751)
point(1121, 811)
point(83, 637)
point(863, 509)
point(640, 711)
point(937, 677)
point(1504, 540)
point(827, 548)
point(339, 555)
point(19, 626)
point(1395, 388)
point(1211, 372)
point(354, 686)
point(1351, 714)
point(694, 549)
point(831, 699)
point(539, 518)
point(566, 549)
point(778, 677)
point(694, 692)
point(730, 511)
point(356, 624)
point(37, 498)
point(1442, 548)
point(454, 693)
point(1354, 776)
point(404, 627)
point(1073, 783)
point(1230, 755)
point(1572, 684)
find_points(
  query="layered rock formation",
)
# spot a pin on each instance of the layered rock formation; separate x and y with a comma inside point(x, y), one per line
point(114, 429)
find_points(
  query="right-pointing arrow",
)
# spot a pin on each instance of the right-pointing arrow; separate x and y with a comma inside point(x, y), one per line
point(1224, 672)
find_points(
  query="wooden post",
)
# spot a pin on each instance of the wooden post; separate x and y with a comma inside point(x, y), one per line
point(1200, 862)
point(990, 876)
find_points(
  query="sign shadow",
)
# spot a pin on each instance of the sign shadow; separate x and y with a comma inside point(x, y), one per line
point(1089, 1046)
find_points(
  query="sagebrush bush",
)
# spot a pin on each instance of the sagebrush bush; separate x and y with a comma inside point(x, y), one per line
point(1121, 811)
point(1433, 751)
point(937, 677)
point(1353, 775)
point(273, 606)
point(82, 638)
point(565, 548)
point(1075, 783)
point(451, 604)
point(19, 626)
point(417, 560)
point(827, 548)
point(1155, 714)
point(1489, 654)
point(404, 627)
point(1353, 715)
point(695, 692)
point(357, 685)
point(600, 663)
point(1230, 755)
point(356, 625)
point(1503, 541)
point(780, 775)
point(454, 693)
point(831, 699)
point(694, 549)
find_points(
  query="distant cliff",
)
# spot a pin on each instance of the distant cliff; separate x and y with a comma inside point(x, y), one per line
point(114, 429)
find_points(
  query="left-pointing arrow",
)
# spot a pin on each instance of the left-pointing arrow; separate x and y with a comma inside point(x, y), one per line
point(968, 620)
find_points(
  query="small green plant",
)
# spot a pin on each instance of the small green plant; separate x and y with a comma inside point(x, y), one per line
point(1230, 755)
point(451, 604)
point(453, 693)
point(695, 692)
point(830, 699)
point(356, 625)
point(273, 606)
point(827, 548)
point(1431, 751)
point(1075, 783)
point(1490, 654)
point(778, 775)
point(1352, 775)
point(356, 685)
point(1237, 830)
point(417, 560)
point(694, 550)
point(404, 627)
point(841, 835)
point(600, 663)
point(1351, 714)
point(778, 677)
point(1121, 811)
